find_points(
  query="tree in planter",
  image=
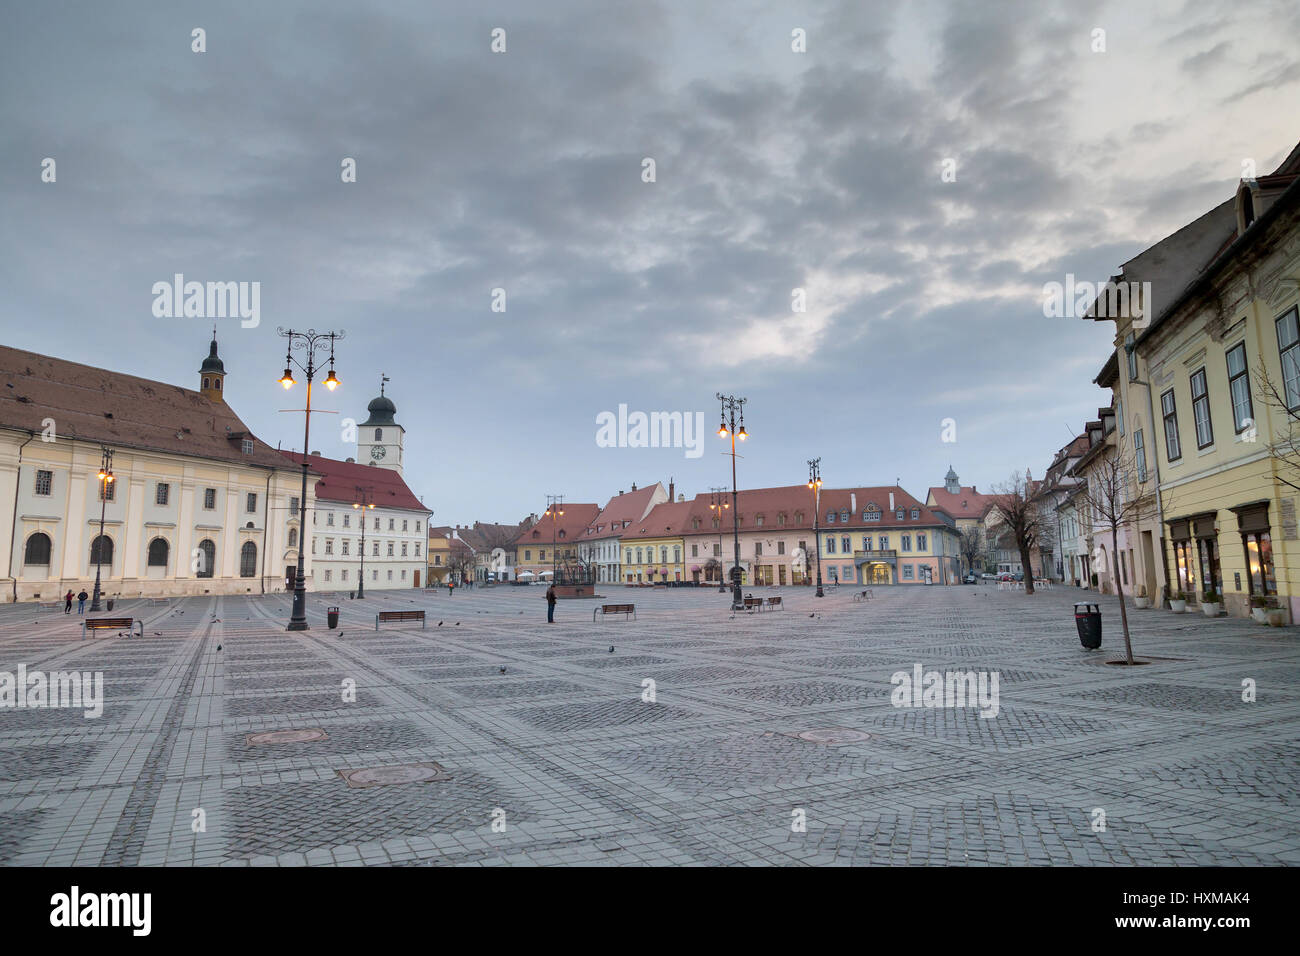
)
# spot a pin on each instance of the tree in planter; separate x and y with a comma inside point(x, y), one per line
point(1023, 519)
point(1118, 492)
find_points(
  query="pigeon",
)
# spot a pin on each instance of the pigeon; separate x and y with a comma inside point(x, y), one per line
point(611, 648)
point(440, 623)
point(458, 623)
point(503, 670)
point(218, 647)
point(812, 615)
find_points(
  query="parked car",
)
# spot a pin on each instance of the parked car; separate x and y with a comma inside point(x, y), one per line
point(988, 576)
point(970, 578)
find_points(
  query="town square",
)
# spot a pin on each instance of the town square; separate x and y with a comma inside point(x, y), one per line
point(662, 437)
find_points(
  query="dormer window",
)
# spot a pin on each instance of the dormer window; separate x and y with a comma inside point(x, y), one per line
point(830, 517)
point(916, 514)
point(844, 515)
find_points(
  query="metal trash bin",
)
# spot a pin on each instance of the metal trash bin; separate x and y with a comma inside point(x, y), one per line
point(1087, 618)
point(110, 604)
point(332, 615)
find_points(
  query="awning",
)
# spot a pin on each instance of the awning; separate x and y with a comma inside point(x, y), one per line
point(526, 574)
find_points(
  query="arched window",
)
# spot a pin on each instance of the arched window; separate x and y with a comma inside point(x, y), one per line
point(216, 383)
point(37, 550)
point(206, 383)
point(158, 549)
point(101, 551)
point(379, 434)
point(248, 560)
point(293, 537)
point(207, 559)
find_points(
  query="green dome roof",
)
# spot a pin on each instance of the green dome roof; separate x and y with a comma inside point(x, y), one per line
point(213, 363)
point(381, 411)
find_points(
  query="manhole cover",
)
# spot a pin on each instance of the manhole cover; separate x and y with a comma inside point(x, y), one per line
point(834, 736)
point(287, 736)
point(402, 773)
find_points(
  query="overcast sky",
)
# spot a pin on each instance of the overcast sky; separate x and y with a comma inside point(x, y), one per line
point(523, 170)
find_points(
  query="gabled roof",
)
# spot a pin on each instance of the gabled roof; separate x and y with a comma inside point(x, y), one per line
point(568, 528)
point(630, 506)
point(664, 520)
point(796, 500)
point(339, 481)
point(123, 411)
point(966, 502)
point(484, 536)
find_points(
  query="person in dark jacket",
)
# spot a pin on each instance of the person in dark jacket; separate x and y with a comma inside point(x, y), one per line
point(81, 601)
point(67, 602)
point(550, 604)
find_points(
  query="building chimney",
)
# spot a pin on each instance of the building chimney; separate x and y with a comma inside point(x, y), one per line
point(853, 501)
point(671, 496)
point(634, 486)
point(891, 501)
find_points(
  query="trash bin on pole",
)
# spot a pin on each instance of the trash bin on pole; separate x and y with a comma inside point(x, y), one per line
point(1087, 618)
point(332, 614)
point(110, 604)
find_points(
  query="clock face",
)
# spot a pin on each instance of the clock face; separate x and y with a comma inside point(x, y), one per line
point(378, 451)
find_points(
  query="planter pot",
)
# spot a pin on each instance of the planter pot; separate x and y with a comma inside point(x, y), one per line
point(1211, 610)
point(1276, 617)
point(1178, 607)
point(1141, 602)
point(1260, 615)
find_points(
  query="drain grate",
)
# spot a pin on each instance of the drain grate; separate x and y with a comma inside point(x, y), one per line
point(286, 736)
point(833, 736)
point(401, 773)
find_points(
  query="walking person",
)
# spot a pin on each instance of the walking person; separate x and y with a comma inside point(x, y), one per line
point(67, 602)
point(81, 601)
point(550, 604)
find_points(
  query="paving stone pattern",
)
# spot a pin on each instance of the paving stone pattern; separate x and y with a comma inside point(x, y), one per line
point(564, 759)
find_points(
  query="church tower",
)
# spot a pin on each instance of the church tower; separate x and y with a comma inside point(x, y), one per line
point(379, 437)
point(950, 482)
point(212, 374)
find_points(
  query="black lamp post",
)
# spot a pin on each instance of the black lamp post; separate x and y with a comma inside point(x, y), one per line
point(105, 479)
point(815, 483)
point(554, 511)
point(731, 405)
point(365, 500)
point(306, 342)
point(718, 505)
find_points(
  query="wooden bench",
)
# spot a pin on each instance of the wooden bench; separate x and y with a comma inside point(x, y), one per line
point(864, 595)
point(49, 605)
point(111, 624)
point(753, 603)
point(384, 617)
point(775, 602)
point(624, 609)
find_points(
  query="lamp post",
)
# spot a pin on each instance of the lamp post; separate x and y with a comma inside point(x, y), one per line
point(105, 479)
point(718, 505)
point(365, 501)
point(554, 511)
point(815, 483)
point(731, 405)
point(305, 342)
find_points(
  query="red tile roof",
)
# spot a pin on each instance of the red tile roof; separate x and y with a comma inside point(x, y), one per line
point(570, 527)
point(630, 506)
point(340, 479)
point(97, 405)
point(668, 519)
point(793, 500)
point(965, 503)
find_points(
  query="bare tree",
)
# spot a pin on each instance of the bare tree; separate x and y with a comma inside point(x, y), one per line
point(1018, 511)
point(970, 544)
point(1113, 494)
point(1285, 447)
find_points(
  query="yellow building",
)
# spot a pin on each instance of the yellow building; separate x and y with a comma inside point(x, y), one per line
point(1193, 403)
point(654, 550)
point(439, 555)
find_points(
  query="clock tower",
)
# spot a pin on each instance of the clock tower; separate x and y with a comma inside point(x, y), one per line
point(379, 437)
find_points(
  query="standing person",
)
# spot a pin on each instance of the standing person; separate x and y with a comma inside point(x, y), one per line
point(81, 601)
point(67, 602)
point(550, 604)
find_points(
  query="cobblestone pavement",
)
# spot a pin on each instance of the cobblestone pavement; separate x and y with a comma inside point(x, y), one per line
point(560, 760)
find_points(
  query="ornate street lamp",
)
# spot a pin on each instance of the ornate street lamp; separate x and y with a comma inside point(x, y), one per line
point(305, 342)
point(554, 511)
point(365, 501)
point(106, 478)
point(815, 483)
point(730, 406)
point(718, 505)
